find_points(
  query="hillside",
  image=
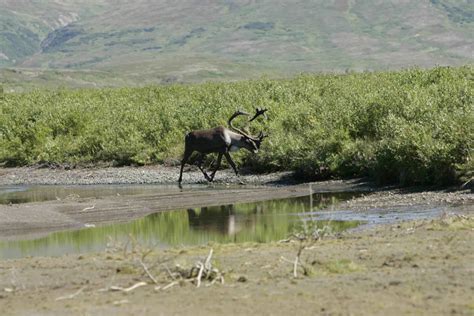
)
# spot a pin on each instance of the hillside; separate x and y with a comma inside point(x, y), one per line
point(138, 42)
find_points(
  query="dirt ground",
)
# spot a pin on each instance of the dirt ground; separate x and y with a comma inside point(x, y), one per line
point(417, 268)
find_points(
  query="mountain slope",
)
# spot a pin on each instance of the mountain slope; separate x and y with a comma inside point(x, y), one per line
point(193, 40)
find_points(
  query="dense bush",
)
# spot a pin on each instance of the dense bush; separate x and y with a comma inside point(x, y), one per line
point(411, 126)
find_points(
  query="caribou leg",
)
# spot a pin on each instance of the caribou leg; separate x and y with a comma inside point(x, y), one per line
point(186, 156)
point(218, 164)
point(199, 165)
point(231, 162)
point(204, 173)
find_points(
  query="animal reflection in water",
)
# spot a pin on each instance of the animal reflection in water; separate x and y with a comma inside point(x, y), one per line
point(222, 219)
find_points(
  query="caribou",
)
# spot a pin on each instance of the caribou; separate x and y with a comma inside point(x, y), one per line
point(221, 140)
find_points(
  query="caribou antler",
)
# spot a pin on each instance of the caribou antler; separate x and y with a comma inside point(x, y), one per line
point(262, 135)
point(237, 113)
point(258, 112)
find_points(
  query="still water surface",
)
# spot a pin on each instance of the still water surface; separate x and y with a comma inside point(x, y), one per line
point(247, 222)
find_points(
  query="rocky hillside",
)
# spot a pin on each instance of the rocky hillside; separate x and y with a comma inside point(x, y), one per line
point(167, 41)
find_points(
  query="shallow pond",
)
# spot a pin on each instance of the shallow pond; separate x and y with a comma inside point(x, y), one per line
point(246, 222)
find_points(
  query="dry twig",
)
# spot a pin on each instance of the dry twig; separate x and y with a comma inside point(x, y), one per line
point(88, 208)
point(307, 237)
point(128, 289)
point(147, 271)
point(70, 296)
point(202, 270)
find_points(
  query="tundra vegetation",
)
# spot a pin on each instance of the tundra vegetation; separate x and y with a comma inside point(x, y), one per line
point(410, 127)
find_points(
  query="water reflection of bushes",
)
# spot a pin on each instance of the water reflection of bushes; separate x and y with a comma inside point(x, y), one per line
point(257, 222)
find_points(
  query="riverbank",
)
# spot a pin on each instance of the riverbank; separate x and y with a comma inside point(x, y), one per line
point(156, 174)
point(411, 267)
point(76, 211)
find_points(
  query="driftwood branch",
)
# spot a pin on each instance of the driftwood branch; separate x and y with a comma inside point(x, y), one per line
point(71, 296)
point(88, 208)
point(128, 289)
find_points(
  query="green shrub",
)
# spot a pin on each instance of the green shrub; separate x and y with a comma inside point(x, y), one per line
point(410, 127)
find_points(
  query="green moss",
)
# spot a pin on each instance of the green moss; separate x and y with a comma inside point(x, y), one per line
point(342, 266)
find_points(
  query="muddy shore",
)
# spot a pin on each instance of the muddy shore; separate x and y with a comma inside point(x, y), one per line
point(421, 267)
point(31, 220)
point(130, 175)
